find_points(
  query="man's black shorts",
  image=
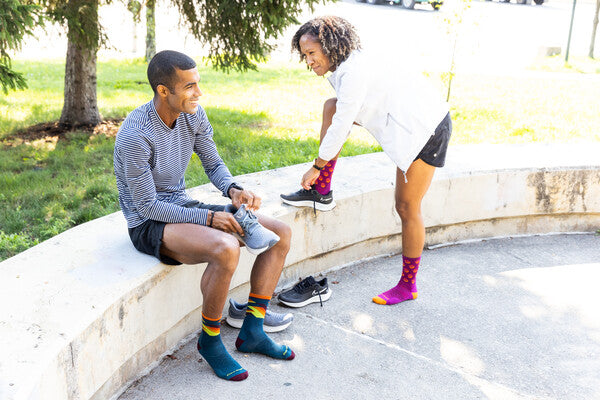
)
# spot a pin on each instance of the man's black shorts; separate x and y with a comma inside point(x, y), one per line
point(434, 151)
point(147, 237)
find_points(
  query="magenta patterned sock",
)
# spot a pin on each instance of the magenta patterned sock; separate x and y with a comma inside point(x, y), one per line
point(323, 183)
point(406, 289)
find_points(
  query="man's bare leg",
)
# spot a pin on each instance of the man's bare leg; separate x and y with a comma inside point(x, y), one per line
point(193, 244)
point(263, 280)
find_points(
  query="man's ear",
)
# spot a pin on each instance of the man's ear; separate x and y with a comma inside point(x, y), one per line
point(162, 90)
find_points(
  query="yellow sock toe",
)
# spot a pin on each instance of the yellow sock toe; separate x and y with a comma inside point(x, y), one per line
point(379, 300)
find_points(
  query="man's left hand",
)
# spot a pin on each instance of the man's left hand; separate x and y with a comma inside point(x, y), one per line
point(239, 197)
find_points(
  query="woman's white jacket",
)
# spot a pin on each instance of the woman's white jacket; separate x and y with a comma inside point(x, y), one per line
point(401, 111)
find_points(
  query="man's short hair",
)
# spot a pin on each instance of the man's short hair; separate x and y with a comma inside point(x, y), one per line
point(163, 66)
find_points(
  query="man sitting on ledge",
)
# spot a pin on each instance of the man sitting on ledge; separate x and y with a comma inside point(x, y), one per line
point(152, 150)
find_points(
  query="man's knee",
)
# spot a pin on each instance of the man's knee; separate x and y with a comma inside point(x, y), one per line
point(285, 235)
point(226, 252)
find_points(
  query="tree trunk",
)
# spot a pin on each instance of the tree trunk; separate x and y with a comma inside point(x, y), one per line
point(150, 29)
point(80, 106)
point(594, 27)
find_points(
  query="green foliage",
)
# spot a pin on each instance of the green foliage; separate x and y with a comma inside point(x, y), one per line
point(237, 32)
point(15, 243)
point(81, 19)
point(135, 8)
point(16, 21)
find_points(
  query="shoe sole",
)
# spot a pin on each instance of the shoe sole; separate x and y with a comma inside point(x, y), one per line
point(250, 249)
point(314, 299)
point(237, 323)
point(309, 203)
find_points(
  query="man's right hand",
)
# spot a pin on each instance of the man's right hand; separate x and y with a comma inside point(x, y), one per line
point(225, 222)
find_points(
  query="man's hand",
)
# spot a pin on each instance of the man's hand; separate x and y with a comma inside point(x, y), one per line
point(309, 178)
point(225, 222)
point(239, 197)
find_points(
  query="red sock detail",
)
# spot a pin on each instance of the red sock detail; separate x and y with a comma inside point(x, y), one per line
point(323, 183)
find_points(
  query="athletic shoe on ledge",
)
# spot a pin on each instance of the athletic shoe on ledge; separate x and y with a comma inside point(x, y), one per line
point(305, 292)
point(274, 322)
point(310, 198)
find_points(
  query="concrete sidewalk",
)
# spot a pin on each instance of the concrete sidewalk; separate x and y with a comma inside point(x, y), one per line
point(503, 318)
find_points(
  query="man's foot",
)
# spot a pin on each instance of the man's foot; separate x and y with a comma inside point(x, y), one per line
point(310, 198)
point(252, 337)
point(257, 341)
point(212, 350)
point(305, 292)
point(397, 294)
point(256, 237)
point(274, 322)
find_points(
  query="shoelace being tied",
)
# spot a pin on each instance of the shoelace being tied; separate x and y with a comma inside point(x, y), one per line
point(314, 208)
point(250, 223)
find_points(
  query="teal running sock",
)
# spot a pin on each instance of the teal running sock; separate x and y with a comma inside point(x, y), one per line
point(212, 350)
point(252, 337)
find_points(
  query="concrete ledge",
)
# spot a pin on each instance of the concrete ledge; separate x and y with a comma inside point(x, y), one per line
point(84, 313)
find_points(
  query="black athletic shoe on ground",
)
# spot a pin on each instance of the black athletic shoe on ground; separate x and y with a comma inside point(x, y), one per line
point(305, 292)
point(310, 198)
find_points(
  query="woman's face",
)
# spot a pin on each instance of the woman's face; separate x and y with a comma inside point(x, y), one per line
point(311, 48)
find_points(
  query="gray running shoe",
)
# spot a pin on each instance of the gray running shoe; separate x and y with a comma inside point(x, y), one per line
point(310, 198)
point(256, 237)
point(274, 322)
point(305, 292)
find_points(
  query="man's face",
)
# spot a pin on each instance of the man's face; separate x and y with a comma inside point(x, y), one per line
point(186, 93)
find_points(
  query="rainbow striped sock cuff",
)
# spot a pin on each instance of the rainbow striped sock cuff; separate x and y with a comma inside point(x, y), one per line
point(257, 305)
point(210, 326)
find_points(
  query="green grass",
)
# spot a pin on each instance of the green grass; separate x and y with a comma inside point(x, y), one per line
point(262, 120)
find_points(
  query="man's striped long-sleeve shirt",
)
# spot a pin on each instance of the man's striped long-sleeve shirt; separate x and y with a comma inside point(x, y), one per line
point(150, 160)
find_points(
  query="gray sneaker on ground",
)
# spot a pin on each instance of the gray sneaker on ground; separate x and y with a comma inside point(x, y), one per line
point(256, 237)
point(274, 322)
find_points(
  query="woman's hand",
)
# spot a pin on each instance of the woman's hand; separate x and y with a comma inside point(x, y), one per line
point(309, 178)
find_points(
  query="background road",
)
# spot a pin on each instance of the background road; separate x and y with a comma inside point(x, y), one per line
point(492, 36)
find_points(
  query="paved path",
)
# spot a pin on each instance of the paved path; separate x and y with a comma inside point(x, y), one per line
point(500, 319)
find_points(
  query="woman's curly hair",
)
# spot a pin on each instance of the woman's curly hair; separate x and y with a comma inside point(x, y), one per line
point(337, 36)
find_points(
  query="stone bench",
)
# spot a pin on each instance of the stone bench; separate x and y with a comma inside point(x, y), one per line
point(84, 313)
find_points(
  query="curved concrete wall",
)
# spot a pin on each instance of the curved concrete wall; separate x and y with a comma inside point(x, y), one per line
point(84, 313)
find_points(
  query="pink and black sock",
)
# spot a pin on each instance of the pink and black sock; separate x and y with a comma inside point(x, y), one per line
point(252, 337)
point(406, 289)
point(212, 350)
point(323, 183)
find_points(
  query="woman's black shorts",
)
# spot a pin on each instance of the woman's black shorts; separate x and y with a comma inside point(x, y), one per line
point(434, 151)
point(147, 237)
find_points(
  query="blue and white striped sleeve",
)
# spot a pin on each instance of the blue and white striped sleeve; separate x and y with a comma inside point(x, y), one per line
point(206, 149)
point(135, 152)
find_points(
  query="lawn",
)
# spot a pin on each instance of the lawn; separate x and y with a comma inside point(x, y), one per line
point(262, 120)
